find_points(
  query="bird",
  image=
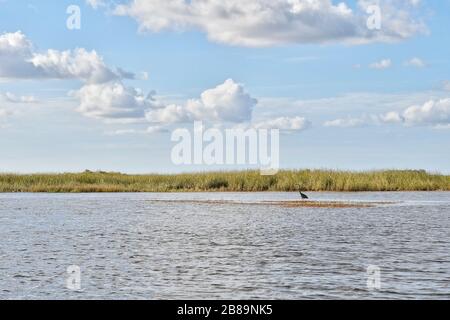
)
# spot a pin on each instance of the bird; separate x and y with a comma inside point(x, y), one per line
point(304, 196)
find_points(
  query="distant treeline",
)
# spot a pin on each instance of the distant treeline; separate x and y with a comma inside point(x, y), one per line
point(246, 181)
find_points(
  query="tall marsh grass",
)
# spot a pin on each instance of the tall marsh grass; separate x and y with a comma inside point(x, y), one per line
point(307, 180)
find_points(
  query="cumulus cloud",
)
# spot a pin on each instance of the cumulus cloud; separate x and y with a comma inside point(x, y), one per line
point(113, 101)
point(432, 113)
point(21, 61)
point(104, 95)
point(346, 123)
point(391, 117)
point(275, 22)
point(15, 50)
point(415, 62)
point(228, 102)
point(76, 64)
point(171, 113)
point(383, 64)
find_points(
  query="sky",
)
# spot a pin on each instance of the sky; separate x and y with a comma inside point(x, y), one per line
point(347, 90)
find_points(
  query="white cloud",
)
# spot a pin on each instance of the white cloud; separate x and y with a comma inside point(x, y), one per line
point(415, 62)
point(171, 113)
point(21, 61)
point(383, 64)
point(379, 109)
point(96, 3)
point(228, 102)
point(156, 129)
point(122, 132)
point(149, 130)
point(434, 113)
point(103, 94)
point(76, 64)
point(275, 22)
point(14, 43)
point(391, 117)
point(12, 98)
point(284, 123)
point(112, 101)
point(15, 50)
point(345, 123)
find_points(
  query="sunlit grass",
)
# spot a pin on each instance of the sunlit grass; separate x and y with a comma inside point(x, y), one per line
point(307, 180)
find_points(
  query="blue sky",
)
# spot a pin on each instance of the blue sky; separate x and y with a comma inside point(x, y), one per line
point(371, 99)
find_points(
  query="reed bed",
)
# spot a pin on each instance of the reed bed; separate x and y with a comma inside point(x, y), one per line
point(241, 181)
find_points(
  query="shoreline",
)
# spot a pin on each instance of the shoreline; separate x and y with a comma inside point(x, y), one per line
point(238, 181)
point(218, 191)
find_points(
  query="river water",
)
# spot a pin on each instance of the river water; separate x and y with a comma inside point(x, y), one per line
point(181, 246)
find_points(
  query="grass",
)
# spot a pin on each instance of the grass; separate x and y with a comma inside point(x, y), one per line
point(248, 181)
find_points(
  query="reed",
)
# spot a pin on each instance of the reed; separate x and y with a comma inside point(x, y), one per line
point(245, 181)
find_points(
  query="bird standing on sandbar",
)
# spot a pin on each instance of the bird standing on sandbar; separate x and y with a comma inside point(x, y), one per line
point(304, 196)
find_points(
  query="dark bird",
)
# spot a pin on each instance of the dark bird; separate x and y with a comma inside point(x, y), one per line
point(304, 196)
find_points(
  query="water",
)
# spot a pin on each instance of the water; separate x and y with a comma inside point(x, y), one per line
point(130, 246)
